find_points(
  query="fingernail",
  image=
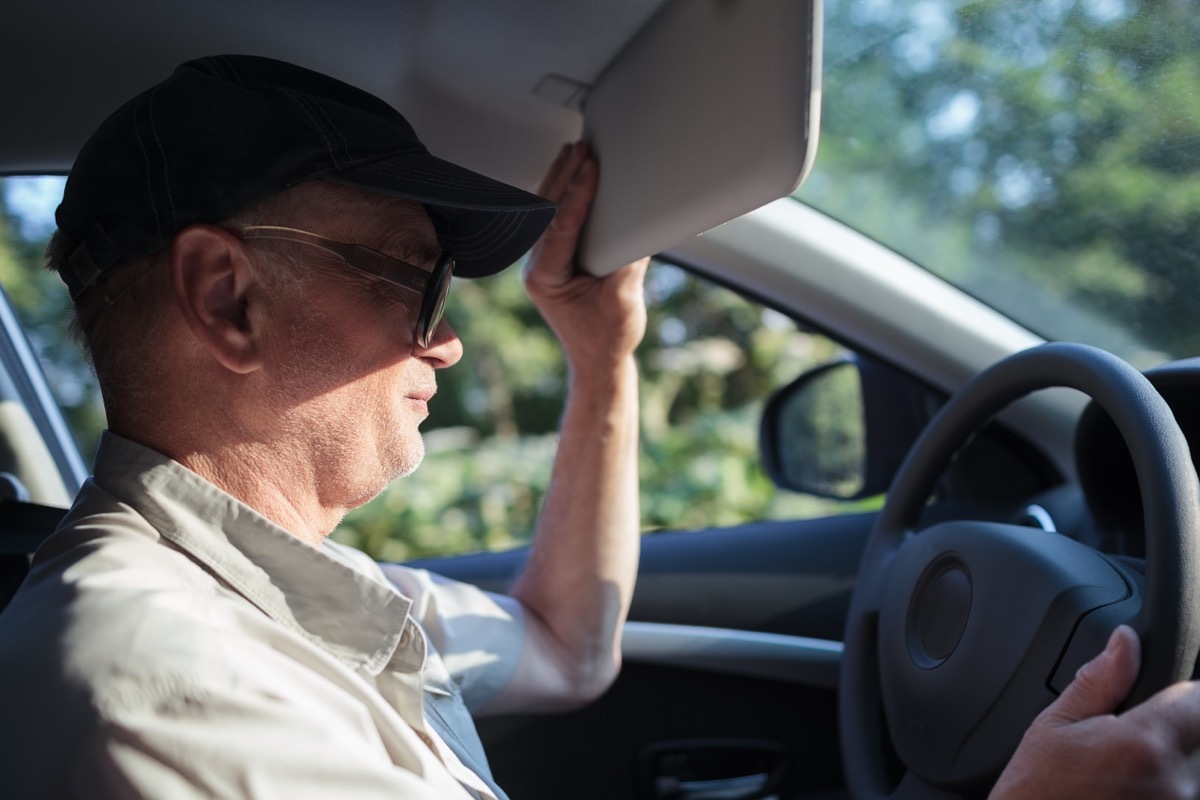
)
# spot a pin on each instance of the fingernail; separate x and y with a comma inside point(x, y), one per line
point(1109, 647)
point(1114, 644)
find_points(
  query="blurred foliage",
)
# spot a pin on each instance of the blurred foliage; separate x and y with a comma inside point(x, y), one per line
point(1044, 154)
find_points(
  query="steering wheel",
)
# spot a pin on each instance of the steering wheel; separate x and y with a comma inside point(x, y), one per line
point(960, 634)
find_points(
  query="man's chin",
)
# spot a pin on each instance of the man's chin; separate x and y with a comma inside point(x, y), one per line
point(409, 455)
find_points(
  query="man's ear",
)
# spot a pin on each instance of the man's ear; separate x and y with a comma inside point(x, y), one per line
point(212, 279)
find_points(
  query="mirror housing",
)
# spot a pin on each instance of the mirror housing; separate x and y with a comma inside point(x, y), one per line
point(842, 430)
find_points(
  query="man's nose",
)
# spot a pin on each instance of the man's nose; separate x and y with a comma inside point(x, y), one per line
point(444, 349)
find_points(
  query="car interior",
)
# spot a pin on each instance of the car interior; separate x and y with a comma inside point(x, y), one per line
point(998, 489)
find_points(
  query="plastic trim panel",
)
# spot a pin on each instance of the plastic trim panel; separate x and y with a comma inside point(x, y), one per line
point(795, 659)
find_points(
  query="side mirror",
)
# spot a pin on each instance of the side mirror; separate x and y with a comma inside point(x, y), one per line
point(842, 430)
point(814, 433)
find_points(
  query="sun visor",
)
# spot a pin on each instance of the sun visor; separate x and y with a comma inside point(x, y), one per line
point(712, 111)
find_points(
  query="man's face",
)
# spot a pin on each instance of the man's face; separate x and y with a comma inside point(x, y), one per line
point(347, 376)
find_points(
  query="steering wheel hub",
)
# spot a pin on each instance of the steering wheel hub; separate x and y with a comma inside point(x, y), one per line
point(939, 611)
point(956, 703)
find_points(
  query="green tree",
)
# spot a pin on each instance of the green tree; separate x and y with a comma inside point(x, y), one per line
point(1059, 139)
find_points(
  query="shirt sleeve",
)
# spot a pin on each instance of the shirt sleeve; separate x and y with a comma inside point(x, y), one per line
point(479, 635)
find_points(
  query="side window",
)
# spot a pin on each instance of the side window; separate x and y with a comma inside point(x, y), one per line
point(710, 360)
point(40, 302)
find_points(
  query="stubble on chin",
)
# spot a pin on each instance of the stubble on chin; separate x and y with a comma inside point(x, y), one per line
point(369, 468)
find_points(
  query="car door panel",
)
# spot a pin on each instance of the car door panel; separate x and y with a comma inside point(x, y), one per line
point(731, 658)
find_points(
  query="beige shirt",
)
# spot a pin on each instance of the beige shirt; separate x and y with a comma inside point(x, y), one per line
point(170, 642)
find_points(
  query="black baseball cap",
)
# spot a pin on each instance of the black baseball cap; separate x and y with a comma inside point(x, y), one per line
point(225, 132)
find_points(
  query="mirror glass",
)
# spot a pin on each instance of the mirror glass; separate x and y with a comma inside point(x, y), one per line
point(821, 434)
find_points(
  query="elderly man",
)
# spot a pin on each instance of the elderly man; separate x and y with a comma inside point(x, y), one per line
point(259, 257)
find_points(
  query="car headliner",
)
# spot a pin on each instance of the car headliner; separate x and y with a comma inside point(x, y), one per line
point(479, 79)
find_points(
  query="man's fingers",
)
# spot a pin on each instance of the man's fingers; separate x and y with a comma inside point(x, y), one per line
point(555, 252)
point(571, 182)
point(574, 206)
point(562, 171)
point(1102, 683)
point(1175, 711)
point(638, 269)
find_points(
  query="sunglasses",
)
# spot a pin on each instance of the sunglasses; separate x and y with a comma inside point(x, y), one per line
point(432, 286)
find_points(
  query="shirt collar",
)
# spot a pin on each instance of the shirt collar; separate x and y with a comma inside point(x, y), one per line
point(299, 586)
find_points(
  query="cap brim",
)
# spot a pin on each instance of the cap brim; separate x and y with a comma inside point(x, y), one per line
point(484, 224)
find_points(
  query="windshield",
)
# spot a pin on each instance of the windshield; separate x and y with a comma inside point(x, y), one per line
point(1042, 155)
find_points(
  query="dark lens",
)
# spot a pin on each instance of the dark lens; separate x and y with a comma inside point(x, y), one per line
point(433, 306)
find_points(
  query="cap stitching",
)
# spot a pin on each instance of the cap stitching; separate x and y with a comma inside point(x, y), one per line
point(332, 126)
point(505, 235)
point(493, 248)
point(347, 166)
point(436, 179)
point(480, 234)
point(224, 65)
point(292, 95)
point(166, 180)
point(137, 133)
point(330, 130)
point(500, 228)
point(513, 230)
point(448, 180)
point(362, 162)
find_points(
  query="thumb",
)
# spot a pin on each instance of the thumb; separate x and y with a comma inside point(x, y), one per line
point(1101, 684)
